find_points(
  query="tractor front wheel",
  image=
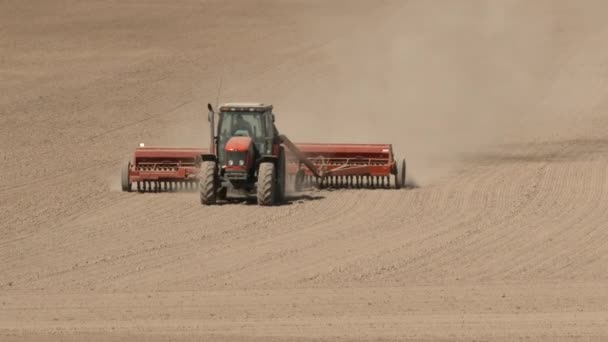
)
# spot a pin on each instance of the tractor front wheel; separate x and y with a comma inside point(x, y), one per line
point(206, 183)
point(266, 184)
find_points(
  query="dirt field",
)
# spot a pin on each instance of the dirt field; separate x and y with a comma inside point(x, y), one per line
point(499, 106)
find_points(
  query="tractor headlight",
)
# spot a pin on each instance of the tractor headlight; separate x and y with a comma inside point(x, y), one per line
point(234, 158)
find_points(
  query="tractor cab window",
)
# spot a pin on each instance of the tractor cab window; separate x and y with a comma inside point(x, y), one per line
point(242, 124)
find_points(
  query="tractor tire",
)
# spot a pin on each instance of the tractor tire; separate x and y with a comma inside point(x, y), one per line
point(266, 184)
point(206, 183)
point(126, 185)
point(281, 174)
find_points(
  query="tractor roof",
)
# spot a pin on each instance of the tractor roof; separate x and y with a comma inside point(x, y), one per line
point(245, 107)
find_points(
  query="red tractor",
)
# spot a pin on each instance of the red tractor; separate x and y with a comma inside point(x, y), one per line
point(245, 155)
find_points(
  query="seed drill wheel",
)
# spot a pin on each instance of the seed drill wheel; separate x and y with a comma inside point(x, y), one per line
point(299, 182)
point(206, 183)
point(126, 185)
point(400, 176)
point(266, 184)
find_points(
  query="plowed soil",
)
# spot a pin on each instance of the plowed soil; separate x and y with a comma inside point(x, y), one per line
point(499, 106)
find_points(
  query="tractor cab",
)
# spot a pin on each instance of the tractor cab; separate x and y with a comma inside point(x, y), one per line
point(241, 125)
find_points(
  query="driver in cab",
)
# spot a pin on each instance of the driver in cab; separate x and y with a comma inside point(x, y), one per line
point(241, 126)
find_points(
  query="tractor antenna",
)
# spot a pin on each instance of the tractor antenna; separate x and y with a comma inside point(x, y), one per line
point(219, 92)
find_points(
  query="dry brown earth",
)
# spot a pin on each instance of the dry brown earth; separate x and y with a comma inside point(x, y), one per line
point(500, 107)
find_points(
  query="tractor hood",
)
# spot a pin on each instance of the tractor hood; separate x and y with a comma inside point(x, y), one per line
point(239, 144)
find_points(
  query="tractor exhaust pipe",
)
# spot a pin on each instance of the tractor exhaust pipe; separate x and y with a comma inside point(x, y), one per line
point(211, 119)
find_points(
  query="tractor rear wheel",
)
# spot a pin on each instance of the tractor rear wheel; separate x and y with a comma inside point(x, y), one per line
point(126, 185)
point(266, 184)
point(206, 182)
point(281, 174)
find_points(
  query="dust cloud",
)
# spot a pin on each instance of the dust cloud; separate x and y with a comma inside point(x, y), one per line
point(438, 82)
point(435, 81)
